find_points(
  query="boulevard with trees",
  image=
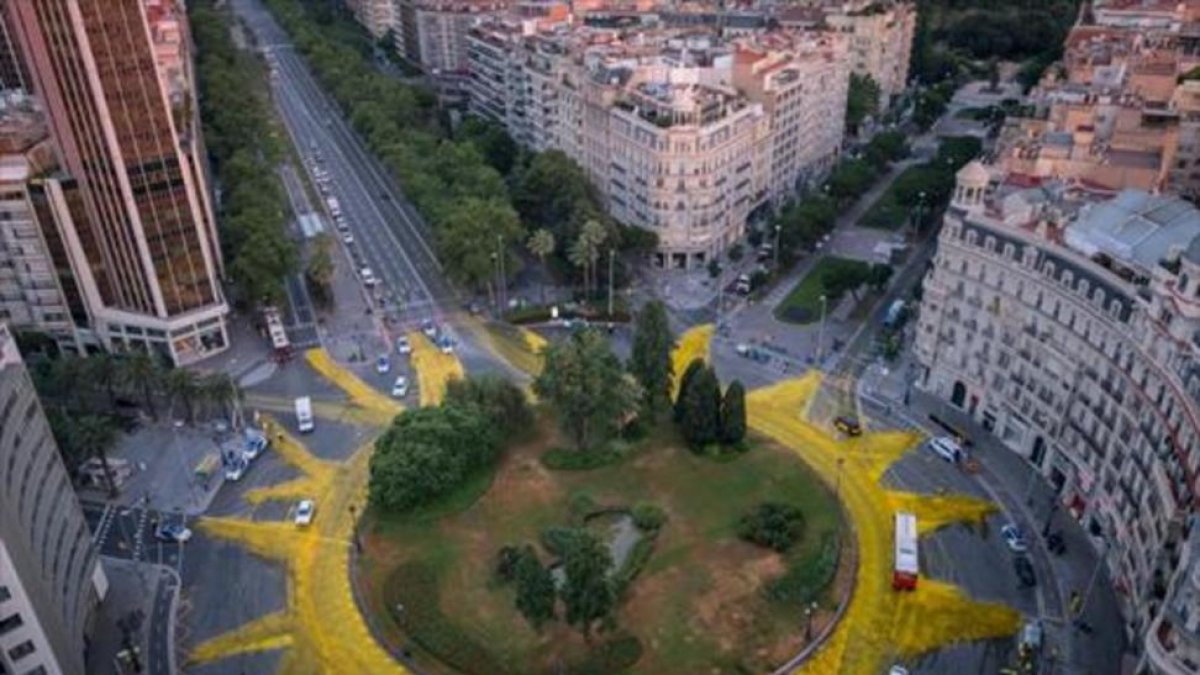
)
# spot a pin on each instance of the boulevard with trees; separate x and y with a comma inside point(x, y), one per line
point(245, 145)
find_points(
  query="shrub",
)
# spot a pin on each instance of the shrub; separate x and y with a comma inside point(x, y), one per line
point(772, 525)
point(807, 578)
point(580, 504)
point(502, 402)
point(506, 563)
point(649, 517)
point(556, 540)
point(566, 459)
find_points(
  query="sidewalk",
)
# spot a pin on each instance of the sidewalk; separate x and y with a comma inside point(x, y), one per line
point(140, 601)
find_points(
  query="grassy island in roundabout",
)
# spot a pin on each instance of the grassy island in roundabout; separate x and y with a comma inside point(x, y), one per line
point(699, 601)
point(321, 630)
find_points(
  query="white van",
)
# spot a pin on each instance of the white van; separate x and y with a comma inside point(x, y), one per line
point(947, 448)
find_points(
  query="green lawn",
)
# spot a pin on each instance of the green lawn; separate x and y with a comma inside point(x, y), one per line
point(699, 603)
point(803, 304)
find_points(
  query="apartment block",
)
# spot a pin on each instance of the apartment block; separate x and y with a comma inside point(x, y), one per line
point(881, 37)
point(1173, 641)
point(33, 292)
point(433, 34)
point(50, 577)
point(376, 16)
point(684, 131)
point(1065, 319)
point(115, 78)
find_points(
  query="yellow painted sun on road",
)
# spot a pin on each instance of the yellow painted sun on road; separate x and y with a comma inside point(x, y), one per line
point(322, 631)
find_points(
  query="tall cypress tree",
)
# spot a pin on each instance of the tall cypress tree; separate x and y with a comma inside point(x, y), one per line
point(700, 422)
point(733, 414)
point(650, 362)
point(689, 374)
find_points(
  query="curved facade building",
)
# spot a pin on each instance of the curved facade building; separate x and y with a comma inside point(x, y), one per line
point(1067, 322)
point(50, 580)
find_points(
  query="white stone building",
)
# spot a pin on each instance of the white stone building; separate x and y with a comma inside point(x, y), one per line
point(1067, 322)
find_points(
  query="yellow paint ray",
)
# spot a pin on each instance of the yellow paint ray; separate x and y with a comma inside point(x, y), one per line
point(693, 344)
point(334, 411)
point(518, 346)
point(434, 369)
point(276, 539)
point(938, 614)
point(360, 393)
point(879, 622)
point(272, 631)
point(935, 512)
point(293, 452)
point(300, 488)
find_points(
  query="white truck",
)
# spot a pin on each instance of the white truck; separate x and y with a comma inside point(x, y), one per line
point(304, 416)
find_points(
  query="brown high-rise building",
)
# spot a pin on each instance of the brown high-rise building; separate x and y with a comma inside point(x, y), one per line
point(12, 67)
point(116, 81)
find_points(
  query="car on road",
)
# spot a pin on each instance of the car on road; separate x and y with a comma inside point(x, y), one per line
point(1014, 538)
point(368, 277)
point(429, 328)
point(403, 346)
point(946, 448)
point(446, 344)
point(1024, 570)
point(847, 425)
point(305, 511)
point(348, 238)
point(255, 444)
point(898, 670)
point(400, 388)
point(383, 364)
point(173, 532)
point(743, 286)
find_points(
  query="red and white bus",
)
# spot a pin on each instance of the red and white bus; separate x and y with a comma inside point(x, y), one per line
point(906, 569)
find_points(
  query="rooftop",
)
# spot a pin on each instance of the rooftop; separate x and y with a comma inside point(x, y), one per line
point(1137, 228)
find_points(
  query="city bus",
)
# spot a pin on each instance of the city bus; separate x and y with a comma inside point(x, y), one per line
point(906, 568)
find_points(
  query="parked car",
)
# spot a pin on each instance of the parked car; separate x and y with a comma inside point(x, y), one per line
point(173, 532)
point(1014, 538)
point(847, 425)
point(898, 670)
point(947, 448)
point(383, 364)
point(446, 344)
point(348, 238)
point(1031, 636)
point(403, 346)
point(428, 327)
point(1024, 570)
point(400, 388)
point(368, 277)
point(305, 511)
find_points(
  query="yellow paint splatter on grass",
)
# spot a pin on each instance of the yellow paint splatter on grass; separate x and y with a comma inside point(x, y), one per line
point(692, 345)
point(434, 369)
point(879, 623)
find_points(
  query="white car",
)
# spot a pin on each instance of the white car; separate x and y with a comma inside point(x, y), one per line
point(898, 670)
point(348, 238)
point(368, 277)
point(305, 511)
point(383, 364)
point(946, 448)
point(429, 328)
point(1014, 538)
point(400, 388)
point(403, 346)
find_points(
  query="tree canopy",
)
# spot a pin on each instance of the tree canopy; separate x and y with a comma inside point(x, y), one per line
point(650, 362)
point(862, 101)
point(585, 384)
point(587, 592)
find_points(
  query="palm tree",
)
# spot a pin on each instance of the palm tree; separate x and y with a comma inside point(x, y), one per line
point(586, 252)
point(220, 391)
point(101, 371)
point(182, 387)
point(140, 373)
point(541, 243)
point(92, 435)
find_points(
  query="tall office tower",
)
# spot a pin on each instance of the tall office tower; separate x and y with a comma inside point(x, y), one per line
point(50, 579)
point(116, 80)
point(12, 68)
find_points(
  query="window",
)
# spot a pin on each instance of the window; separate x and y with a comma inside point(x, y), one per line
point(21, 651)
point(5, 594)
point(11, 623)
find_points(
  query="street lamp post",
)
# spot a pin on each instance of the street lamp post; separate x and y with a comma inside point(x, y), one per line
point(821, 331)
point(778, 229)
point(809, 611)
